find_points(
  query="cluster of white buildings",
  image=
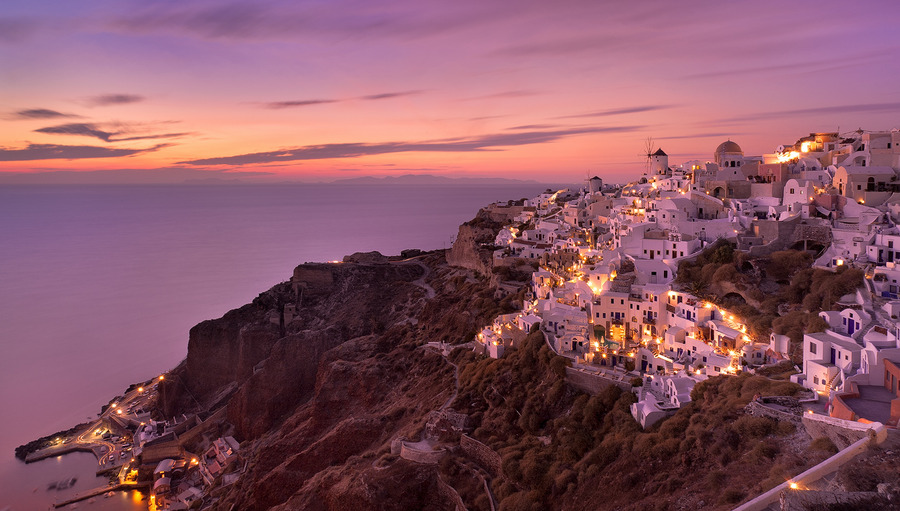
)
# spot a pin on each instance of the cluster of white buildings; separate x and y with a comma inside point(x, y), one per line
point(603, 292)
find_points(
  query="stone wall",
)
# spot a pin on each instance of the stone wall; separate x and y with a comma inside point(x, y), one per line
point(592, 383)
point(803, 500)
point(875, 434)
point(758, 409)
point(840, 431)
point(448, 493)
point(482, 454)
point(429, 457)
point(818, 233)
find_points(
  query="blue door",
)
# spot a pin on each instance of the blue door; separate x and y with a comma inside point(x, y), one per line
point(833, 357)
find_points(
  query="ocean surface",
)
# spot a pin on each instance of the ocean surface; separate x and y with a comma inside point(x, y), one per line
point(99, 286)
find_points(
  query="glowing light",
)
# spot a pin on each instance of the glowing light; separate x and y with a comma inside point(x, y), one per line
point(786, 157)
point(161, 377)
point(794, 485)
point(140, 389)
point(804, 147)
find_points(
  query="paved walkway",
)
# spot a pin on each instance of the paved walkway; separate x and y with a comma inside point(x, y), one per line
point(873, 403)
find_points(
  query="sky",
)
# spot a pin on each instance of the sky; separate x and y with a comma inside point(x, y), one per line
point(297, 90)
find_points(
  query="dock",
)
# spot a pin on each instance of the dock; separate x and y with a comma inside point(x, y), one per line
point(99, 491)
point(52, 452)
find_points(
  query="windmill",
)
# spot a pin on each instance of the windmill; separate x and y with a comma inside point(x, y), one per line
point(648, 152)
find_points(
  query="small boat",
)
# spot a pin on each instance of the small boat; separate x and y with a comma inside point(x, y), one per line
point(52, 486)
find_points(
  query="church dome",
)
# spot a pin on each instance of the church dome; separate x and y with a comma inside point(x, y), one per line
point(729, 147)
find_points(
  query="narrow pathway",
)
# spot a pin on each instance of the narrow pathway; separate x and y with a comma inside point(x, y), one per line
point(429, 291)
point(456, 385)
point(441, 347)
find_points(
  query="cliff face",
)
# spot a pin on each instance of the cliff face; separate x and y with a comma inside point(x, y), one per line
point(269, 359)
point(473, 248)
point(321, 374)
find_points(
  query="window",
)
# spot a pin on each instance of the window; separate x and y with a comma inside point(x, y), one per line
point(816, 380)
point(812, 348)
point(792, 190)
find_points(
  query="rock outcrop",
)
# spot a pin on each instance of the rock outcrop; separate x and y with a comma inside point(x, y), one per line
point(318, 375)
point(473, 248)
point(274, 363)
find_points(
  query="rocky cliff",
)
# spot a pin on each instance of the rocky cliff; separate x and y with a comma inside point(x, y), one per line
point(473, 248)
point(320, 374)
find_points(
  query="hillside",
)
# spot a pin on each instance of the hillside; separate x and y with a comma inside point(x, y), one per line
point(322, 378)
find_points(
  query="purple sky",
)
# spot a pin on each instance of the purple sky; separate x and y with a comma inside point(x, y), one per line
point(171, 90)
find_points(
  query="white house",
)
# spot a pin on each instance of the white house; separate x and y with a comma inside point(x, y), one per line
point(828, 359)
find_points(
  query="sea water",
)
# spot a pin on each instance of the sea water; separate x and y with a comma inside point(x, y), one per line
point(99, 286)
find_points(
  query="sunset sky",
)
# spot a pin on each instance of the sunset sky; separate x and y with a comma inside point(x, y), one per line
point(150, 91)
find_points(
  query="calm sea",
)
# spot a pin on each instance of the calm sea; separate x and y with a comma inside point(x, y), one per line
point(99, 286)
